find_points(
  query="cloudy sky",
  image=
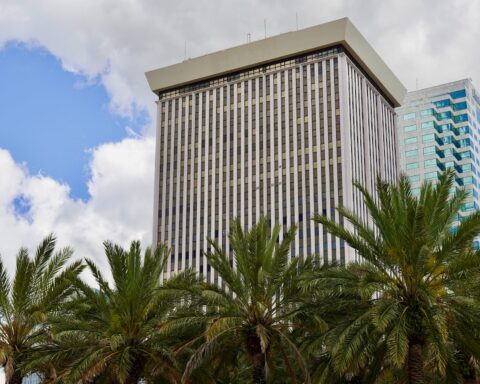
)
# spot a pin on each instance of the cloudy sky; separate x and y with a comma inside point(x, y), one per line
point(76, 131)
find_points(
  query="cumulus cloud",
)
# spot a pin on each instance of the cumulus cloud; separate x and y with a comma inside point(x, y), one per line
point(119, 209)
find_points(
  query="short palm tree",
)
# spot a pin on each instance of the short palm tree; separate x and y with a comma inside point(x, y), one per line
point(251, 315)
point(40, 287)
point(415, 258)
point(111, 333)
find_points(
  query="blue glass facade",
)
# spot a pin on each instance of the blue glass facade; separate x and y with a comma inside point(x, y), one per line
point(439, 128)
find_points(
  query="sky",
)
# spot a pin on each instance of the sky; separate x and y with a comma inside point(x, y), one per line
point(77, 116)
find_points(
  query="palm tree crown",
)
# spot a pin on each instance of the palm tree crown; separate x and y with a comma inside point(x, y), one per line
point(39, 289)
point(253, 312)
point(415, 257)
point(113, 332)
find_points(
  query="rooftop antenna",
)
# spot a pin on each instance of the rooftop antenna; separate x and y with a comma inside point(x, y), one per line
point(265, 27)
point(296, 19)
point(185, 51)
point(249, 37)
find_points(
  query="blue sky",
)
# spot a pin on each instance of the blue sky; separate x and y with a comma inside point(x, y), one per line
point(50, 118)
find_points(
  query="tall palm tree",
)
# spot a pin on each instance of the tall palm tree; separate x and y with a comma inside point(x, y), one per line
point(251, 315)
point(113, 333)
point(415, 258)
point(38, 290)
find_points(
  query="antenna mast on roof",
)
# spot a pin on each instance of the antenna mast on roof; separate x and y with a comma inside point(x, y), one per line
point(249, 37)
point(185, 51)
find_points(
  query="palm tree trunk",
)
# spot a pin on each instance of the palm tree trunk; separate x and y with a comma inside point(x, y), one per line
point(415, 364)
point(254, 350)
point(258, 374)
point(15, 378)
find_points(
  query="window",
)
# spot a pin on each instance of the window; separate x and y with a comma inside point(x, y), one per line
point(441, 103)
point(427, 125)
point(427, 112)
point(467, 180)
point(460, 118)
point(412, 165)
point(465, 155)
point(415, 191)
point(411, 153)
point(414, 178)
point(468, 206)
point(410, 128)
point(430, 163)
point(411, 140)
point(428, 150)
point(466, 167)
point(409, 116)
point(460, 106)
point(458, 94)
point(429, 137)
point(430, 175)
point(449, 164)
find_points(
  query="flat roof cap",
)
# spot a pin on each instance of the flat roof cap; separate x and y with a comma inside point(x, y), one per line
point(282, 46)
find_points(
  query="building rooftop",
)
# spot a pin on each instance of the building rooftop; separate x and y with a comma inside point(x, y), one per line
point(338, 32)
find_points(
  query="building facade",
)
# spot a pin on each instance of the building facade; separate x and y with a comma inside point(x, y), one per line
point(279, 127)
point(439, 128)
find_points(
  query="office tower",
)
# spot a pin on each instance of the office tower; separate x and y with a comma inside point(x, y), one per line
point(277, 127)
point(439, 128)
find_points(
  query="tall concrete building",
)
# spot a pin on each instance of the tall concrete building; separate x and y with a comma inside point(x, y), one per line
point(277, 127)
point(439, 128)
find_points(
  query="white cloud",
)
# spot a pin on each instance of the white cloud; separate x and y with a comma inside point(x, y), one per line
point(120, 208)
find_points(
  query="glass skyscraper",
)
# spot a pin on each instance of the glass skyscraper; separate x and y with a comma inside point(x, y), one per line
point(278, 127)
point(439, 128)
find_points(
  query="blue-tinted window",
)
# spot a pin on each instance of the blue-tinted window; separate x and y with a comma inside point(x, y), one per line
point(458, 94)
point(411, 153)
point(444, 115)
point(449, 164)
point(415, 191)
point(411, 140)
point(414, 178)
point(427, 125)
point(467, 180)
point(409, 116)
point(460, 106)
point(445, 127)
point(430, 163)
point(430, 175)
point(428, 150)
point(465, 167)
point(468, 206)
point(462, 130)
point(465, 155)
point(461, 118)
point(441, 103)
point(463, 142)
point(412, 165)
point(427, 112)
point(429, 137)
point(448, 152)
point(410, 128)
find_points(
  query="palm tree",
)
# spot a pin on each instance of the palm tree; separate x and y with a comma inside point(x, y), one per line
point(251, 315)
point(39, 289)
point(113, 333)
point(415, 258)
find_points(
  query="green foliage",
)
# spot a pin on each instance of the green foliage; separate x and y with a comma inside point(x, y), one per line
point(115, 331)
point(411, 278)
point(251, 315)
point(40, 288)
